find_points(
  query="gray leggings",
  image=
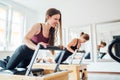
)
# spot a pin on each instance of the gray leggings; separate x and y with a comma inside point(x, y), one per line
point(65, 56)
point(21, 57)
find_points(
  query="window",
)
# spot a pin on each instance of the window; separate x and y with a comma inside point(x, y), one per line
point(3, 23)
point(16, 30)
point(11, 28)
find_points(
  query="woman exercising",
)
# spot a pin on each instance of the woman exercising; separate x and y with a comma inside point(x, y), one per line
point(40, 33)
point(72, 46)
point(101, 45)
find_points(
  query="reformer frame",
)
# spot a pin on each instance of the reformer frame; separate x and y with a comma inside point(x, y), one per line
point(40, 47)
point(61, 75)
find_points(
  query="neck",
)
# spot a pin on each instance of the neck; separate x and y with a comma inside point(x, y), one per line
point(47, 26)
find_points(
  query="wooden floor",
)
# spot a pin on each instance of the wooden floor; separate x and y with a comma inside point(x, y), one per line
point(101, 76)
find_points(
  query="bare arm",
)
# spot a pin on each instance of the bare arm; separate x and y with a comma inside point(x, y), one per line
point(35, 29)
point(72, 43)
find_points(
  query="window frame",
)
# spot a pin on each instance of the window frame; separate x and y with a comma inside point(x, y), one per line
point(8, 27)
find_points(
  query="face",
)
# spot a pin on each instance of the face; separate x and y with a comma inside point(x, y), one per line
point(83, 40)
point(102, 46)
point(54, 20)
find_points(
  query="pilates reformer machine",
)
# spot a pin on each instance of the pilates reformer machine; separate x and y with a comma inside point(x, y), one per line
point(79, 71)
point(75, 53)
point(29, 73)
point(114, 49)
point(62, 75)
point(83, 69)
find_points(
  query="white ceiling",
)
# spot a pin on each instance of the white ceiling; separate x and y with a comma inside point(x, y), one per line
point(37, 4)
point(76, 12)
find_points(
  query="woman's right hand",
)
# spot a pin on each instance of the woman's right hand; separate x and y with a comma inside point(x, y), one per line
point(38, 60)
point(43, 44)
point(61, 46)
point(49, 59)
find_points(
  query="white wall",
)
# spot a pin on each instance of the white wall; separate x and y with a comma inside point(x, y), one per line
point(82, 12)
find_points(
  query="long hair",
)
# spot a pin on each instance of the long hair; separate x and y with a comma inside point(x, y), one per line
point(53, 32)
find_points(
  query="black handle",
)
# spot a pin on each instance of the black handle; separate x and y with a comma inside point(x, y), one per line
point(117, 40)
point(50, 47)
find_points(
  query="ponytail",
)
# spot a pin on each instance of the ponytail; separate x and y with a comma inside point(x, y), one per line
point(84, 35)
point(81, 33)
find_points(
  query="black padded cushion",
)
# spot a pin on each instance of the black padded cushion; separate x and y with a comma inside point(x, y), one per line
point(19, 71)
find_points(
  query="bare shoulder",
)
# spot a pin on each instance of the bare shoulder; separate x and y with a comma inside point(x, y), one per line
point(35, 29)
point(74, 39)
point(36, 26)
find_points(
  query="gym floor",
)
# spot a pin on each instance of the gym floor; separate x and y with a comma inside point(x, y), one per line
point(102, 76)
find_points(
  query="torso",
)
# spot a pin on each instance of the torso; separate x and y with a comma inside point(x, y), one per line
point(76, 46)
point(42, 36)
point(45, 31)
point(98, 48)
